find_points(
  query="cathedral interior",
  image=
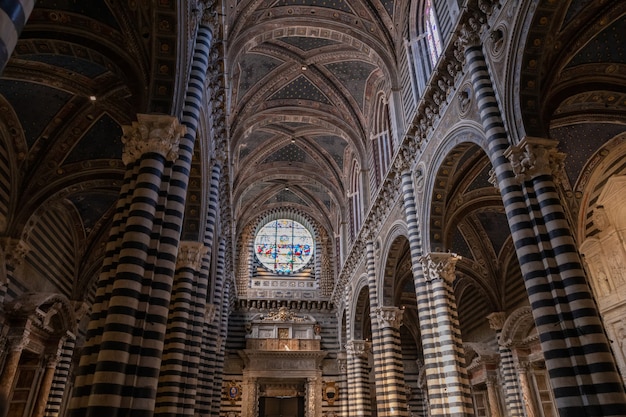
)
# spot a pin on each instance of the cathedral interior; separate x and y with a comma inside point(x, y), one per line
point(312, 208)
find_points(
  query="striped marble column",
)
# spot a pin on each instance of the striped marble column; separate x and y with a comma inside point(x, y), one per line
point(206, 377)
point(61, 376)
point(448, 385)
point(13, 17)
point(579, 342)
point(512, 397)
point(360, 402)
point(221, 323)
point(178, 380)
point(51, 360)
point(582, 371)
point(427, 319)
point(204, 399)
point(377, 342)
point(16, 341)
point(393, 401)
point(118, 372)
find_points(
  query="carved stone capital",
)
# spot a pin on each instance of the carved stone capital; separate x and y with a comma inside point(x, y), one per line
point(209, 15)
point(468, 35)
point(403, 161)
point(439, 266)
point(535, 156)
point(209, 313)
point(190, 255)
point(358, 348)
point(15, 250)
point(152, 133)
point(389, 317)
point(17, 342)
point(496, 320)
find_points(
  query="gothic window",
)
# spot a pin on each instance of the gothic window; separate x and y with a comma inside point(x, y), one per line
point(431, 30)
point(355, 196)
point(284, 246)
point(382, 145)
point(425, 44)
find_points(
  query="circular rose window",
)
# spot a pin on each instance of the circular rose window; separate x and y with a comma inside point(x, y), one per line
point(284, 246)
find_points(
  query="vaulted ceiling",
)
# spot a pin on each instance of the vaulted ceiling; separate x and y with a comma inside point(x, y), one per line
point(304, 75)
point(302, 80)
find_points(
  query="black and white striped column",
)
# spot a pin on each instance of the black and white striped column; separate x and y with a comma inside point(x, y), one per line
point(393, 401)
point(377, 342)
point(580, 341)
point(206, 368)
point(13, 17)
point(582, 371)
point(118, 372)
point(360, 402)
point(448, 387)
point(61, 377)
point(512, 390)
point(178, 379)
point(221, 324)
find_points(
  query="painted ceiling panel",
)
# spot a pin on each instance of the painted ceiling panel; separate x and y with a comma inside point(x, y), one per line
point(331, 4)
point(253, 141)
point(389, 6)
point(91, 206)
point(286, 196)
point(459, 245)
point(84, 67)
point(301, 88)
point(334, 145)
point(496, 226)
point(482, 180)
point(34, 113)
point(307, 43)
point(575, 7)
point(100, 142)
point(353, 75)
point(579, 141)
point(253, 68)
point(608, 46)
point(289, 153)
point(95, 9)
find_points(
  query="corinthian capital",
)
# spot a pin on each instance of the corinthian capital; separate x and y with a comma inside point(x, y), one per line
point(209, 15)
point(152, 133)
point(358, 347)
point(389, 317)
point(15, 250)
point(496, 320)
point(440, 265)
point(535, 156)
point(190, 255)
